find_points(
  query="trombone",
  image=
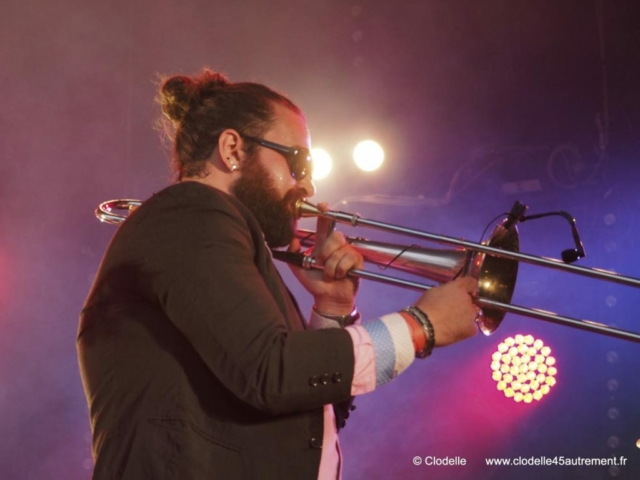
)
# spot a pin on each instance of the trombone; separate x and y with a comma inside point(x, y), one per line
point(493, 263)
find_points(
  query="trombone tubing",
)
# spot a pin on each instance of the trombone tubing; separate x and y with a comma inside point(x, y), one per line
point(355, 220)
point(587, 325)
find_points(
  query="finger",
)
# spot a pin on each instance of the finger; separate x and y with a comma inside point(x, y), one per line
point(333, 242)
point(347, 263)
point(341, 262)
point(331, 265)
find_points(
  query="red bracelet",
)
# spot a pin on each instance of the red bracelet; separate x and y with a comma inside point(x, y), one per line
point(429, 332)
point(418, 336)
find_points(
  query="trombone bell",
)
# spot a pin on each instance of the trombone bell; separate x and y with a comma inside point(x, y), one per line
point(496, 275)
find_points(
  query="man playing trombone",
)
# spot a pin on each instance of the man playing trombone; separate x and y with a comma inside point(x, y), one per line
point(195, 359)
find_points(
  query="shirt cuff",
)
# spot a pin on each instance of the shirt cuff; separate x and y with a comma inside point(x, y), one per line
point(364, 368)
point(392, 346)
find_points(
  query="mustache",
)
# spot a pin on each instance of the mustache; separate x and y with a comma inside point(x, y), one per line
point(292, 196)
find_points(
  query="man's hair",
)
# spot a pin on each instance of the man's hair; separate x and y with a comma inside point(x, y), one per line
point(202, 107)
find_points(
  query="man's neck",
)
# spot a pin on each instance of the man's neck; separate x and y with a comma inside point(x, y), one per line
point(208, 178)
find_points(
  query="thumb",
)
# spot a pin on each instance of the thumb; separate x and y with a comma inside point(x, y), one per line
point(469, 284)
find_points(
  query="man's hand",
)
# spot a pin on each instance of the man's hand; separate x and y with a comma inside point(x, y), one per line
point(450, 310)
point(333, 291)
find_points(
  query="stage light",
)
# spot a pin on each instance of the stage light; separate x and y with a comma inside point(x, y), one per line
point(523, 368)
point(322, 163)
point(368, 155)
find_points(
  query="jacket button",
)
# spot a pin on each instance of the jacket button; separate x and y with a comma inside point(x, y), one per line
point(313, 381)
point(337, 377)
point(324, 379)
point(315, 443)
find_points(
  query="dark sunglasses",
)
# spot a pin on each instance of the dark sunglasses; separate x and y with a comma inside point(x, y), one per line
point(298, 158)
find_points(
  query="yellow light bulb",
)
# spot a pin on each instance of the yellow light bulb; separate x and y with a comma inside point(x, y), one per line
point(523, 368)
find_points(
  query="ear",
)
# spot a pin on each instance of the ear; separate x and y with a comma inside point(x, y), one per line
point(230, 148)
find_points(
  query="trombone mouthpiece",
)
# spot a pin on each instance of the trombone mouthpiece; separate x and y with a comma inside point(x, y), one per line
point(304, 209)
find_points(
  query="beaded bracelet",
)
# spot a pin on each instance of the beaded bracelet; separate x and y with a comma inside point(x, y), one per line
point(422, 318)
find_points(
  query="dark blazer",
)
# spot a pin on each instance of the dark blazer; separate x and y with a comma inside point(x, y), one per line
point(193, 355)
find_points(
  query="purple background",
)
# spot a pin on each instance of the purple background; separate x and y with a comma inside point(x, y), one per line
point(467, 97)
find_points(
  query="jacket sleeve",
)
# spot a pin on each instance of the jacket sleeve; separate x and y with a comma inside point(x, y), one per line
point(198, 264)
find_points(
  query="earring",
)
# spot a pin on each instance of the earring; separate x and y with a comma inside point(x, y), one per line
point(234, 167)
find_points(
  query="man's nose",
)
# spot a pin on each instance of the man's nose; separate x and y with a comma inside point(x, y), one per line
point(306, 185)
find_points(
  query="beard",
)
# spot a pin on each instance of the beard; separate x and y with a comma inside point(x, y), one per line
point(275, 215)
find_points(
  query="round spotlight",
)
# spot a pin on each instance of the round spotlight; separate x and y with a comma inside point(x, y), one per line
point(322, 163)
point(523, 368)
point(368, 155)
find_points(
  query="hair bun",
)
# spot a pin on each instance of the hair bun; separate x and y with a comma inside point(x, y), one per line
point(176, 95)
